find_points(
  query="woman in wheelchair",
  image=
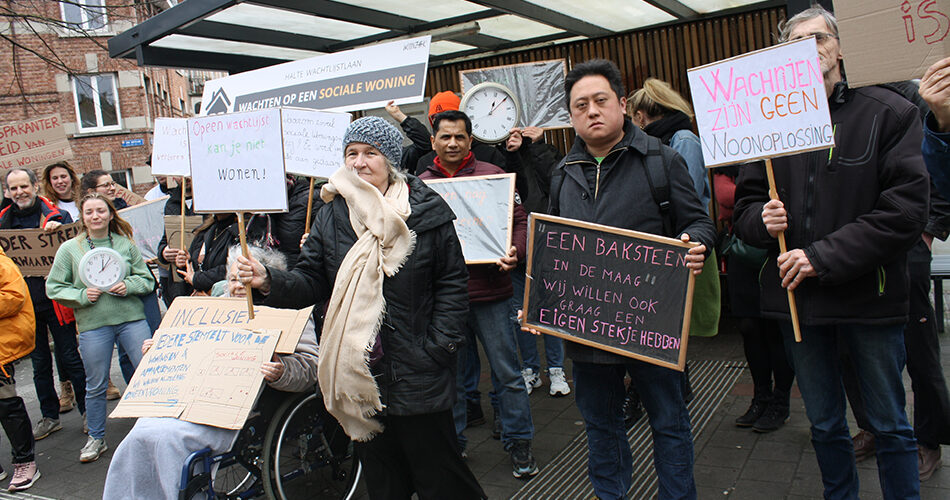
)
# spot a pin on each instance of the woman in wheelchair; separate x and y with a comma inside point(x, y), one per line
point(384, 251)
point(148, 462)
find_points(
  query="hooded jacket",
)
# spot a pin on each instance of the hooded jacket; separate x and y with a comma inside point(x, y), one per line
point(34, 217)
point(855, 210)
point(426, 301)
point(624, 200)
point(17, 323)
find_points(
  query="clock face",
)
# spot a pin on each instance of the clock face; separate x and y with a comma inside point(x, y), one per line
point(102, 268)
point(493, 109)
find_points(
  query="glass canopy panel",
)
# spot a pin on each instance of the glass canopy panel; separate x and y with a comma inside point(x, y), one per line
point(511, 27)
point(707, 6)
point(615, 15)
point(427, 10)
point(186, 42)
point(446, 47)
point(259, 16)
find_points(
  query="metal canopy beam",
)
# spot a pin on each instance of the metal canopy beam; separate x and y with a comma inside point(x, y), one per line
point(177, 58)
point(546, 16)
point(476, 16)
point(674, 8)
point(165, 23)
point(249, 34)
point(345, 12)
point(440, 59)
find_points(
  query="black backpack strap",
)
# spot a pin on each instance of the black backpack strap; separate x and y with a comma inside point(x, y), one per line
point(557, 180)
point(659, 180)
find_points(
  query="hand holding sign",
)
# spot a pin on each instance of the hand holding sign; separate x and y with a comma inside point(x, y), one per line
point(935, 90)
point(695, 256)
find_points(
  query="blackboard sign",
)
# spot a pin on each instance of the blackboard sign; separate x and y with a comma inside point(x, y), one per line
point(622, 291)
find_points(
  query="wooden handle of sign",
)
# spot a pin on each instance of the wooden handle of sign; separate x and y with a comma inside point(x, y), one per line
point(247, 287)
point(792, 308)
point(181, 239)
point(306, 226)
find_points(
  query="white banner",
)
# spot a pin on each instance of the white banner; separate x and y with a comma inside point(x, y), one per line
point(313, 141)
point(762, 104)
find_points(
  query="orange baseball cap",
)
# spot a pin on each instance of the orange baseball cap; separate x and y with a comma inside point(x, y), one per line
point(443, 101)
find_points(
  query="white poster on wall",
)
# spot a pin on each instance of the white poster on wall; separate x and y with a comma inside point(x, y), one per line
point(237, 162)
point(763, 104)
point(170, 147)
point(313, 141)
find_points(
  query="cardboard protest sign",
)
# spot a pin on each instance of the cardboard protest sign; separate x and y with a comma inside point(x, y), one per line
point(33, 250)
point(887, 41)
point(148, 225)
point(484, 208)
point(130, 197)
point(621, 291)
point(170, 147)
point(34, 143)
point(193, 312)
point(351, 80)
point(313, 141)
point(173, 229)
point(539, 86)
point(237, 162)
point(207, 375)
point(762, 104)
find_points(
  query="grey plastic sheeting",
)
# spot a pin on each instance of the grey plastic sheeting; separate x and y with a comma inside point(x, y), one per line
point(539, 87)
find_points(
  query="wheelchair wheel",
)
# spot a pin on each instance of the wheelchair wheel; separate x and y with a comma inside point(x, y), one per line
point(307, 454)
point(231, 480)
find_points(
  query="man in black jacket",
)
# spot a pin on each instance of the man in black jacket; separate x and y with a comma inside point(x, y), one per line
point(604, 181)
point(849, 215)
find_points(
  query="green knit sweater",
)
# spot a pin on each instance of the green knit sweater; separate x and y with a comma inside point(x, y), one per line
point(64, 285)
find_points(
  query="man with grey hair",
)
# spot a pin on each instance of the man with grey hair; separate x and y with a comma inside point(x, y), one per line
point(849, 214)
point(30, 211)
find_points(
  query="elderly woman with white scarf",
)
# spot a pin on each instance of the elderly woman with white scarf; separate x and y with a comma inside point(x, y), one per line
point(384, 252)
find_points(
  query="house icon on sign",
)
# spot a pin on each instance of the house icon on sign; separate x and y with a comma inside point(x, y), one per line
point(219, 103)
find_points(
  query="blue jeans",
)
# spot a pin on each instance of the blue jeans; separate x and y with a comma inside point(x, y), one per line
point(599, 394)
point(489, 322)
point(470, 368)
point(878, 355)
point(96, 349)
point(528, 342)
point(67, 356)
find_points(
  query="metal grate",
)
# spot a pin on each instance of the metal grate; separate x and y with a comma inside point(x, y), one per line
point(566, 475)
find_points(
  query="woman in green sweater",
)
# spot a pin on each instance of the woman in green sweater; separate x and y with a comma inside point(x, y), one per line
point(108, 309)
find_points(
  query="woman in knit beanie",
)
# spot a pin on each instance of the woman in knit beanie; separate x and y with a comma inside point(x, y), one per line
point(383, 252)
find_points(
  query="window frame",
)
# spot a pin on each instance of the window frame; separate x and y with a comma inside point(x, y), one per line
point(84, 7)
point(98, 105)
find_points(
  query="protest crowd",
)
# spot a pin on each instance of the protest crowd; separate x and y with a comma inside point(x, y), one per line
point(392, 344)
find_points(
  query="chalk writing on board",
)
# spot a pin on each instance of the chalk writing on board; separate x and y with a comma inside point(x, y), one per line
point(625, 292)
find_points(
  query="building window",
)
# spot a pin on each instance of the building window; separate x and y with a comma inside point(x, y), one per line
point(85, 15)
point(97, 106)
point(122, 178)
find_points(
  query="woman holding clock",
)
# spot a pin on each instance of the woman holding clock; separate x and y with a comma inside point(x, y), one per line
point(100, 274)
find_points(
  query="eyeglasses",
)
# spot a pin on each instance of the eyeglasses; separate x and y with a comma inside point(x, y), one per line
point(106, 185)
point(820, 37)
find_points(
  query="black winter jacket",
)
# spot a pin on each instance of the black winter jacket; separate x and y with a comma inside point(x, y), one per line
point(854, 210)
point(426, 301)
point(624, 200)
point(288, 227)
point(217, 239)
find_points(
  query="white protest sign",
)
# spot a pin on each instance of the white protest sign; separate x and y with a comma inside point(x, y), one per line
point(351, 80)
point(762, 104)
point(238, 162)
point(484, 208)
point(313, 141)
point(148, 225)
point(170, 147)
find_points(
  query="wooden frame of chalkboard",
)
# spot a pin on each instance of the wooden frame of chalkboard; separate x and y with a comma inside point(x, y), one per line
point(510, 209)
point(621, 291)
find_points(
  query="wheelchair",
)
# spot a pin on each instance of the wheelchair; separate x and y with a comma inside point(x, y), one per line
point(298, 451)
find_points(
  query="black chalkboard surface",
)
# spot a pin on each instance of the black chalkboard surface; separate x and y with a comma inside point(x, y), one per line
point(622, 291)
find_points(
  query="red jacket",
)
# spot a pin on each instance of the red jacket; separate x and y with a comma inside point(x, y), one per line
point(486, 283)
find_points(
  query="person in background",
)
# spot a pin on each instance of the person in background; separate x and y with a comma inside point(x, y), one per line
point(31, 211)
point(102, 182)
point(17, 330)
point(103, 317)
point(168, 253)
point(384, 250)
point(61, 185)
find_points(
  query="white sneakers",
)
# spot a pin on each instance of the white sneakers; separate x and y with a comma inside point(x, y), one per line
point(92, 450)
point(559, 385)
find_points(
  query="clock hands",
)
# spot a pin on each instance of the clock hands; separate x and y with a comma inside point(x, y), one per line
point(495, 106)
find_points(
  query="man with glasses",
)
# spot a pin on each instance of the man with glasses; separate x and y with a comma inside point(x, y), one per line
point(849, 214)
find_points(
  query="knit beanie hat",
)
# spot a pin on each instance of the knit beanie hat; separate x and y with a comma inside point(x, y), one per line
point(443, 101)
point(378, 133)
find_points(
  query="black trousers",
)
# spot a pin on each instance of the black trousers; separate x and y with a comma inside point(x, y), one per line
point(772, 375)
point(417, 454)
point(13, 418)
point(931, 399)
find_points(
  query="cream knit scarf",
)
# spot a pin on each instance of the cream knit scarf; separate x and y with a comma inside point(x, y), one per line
point(356, 307)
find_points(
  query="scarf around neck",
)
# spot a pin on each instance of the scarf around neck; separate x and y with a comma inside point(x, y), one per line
point(355, 312)
point(664, 128)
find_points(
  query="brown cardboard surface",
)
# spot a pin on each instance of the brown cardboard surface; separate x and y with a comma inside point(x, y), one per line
point(34, 143)
point(33, 250)
point(129, 197)
point(173, 232)
point(887, 41)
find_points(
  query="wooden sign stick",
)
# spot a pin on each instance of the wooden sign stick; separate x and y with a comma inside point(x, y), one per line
point(181, 240)
point(793, 310)
point(247, 254)
point(306, 226)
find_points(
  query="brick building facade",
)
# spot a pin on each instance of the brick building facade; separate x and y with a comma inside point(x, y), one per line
point(58, 63)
